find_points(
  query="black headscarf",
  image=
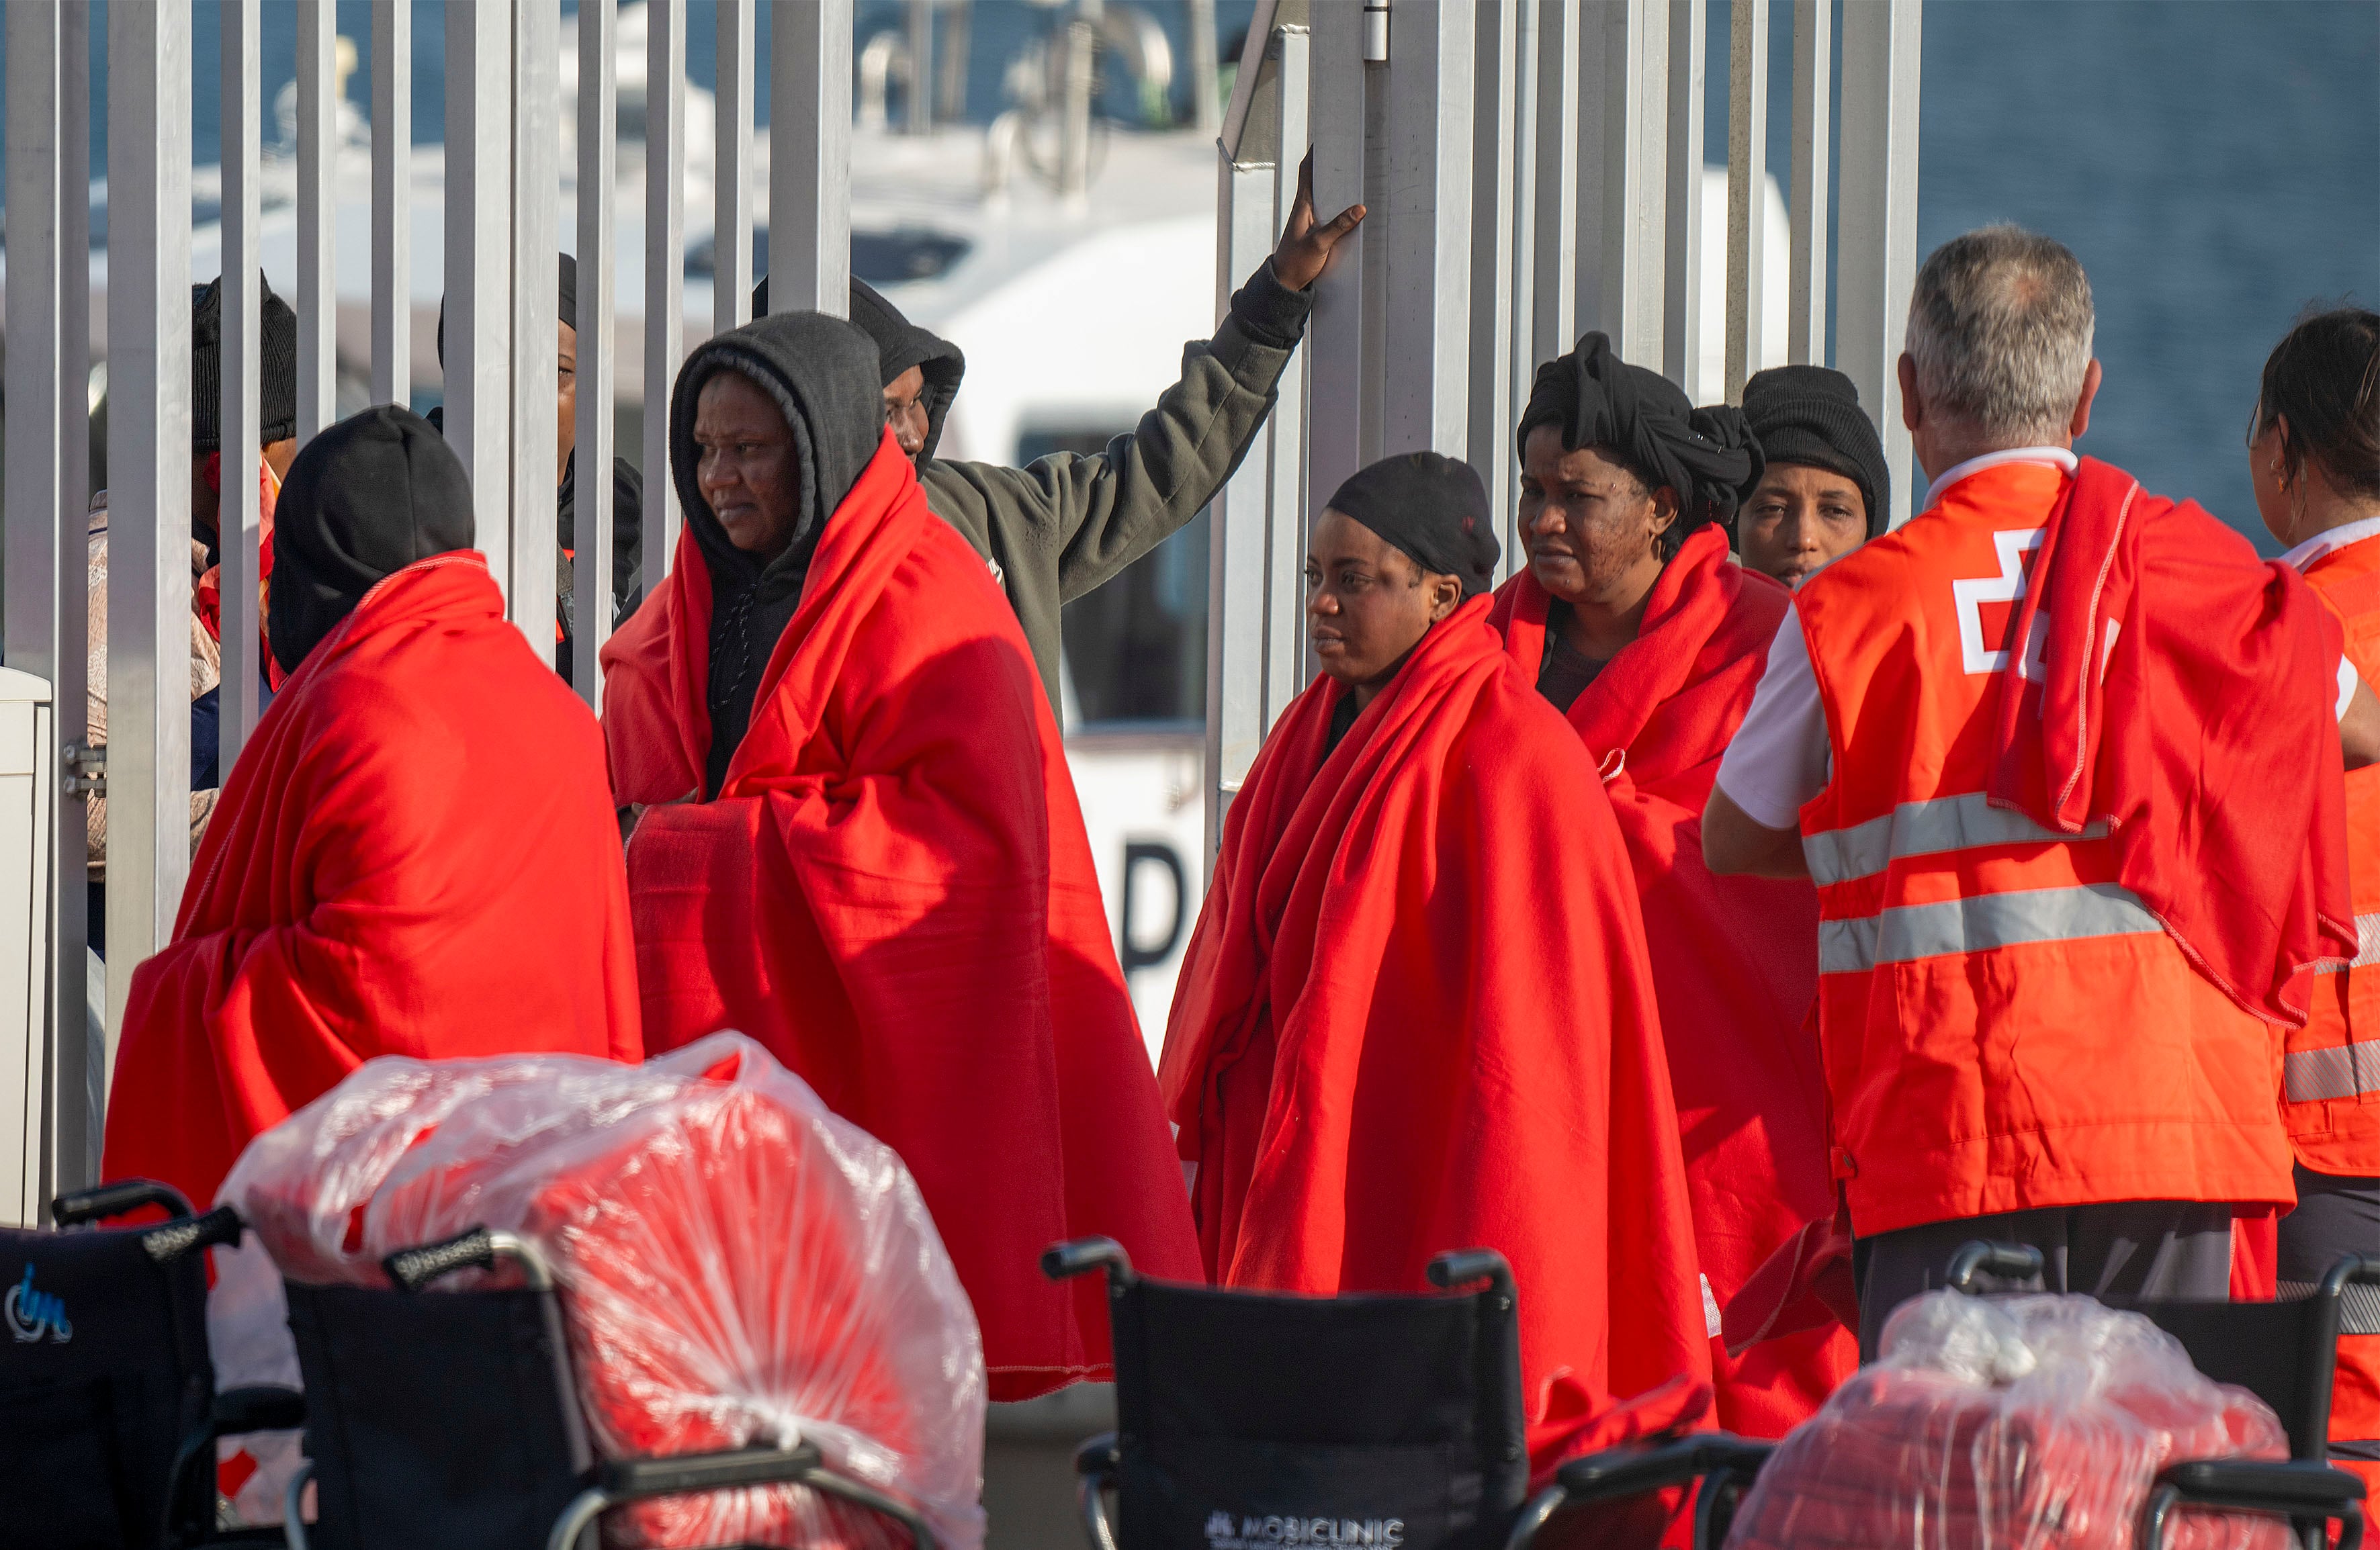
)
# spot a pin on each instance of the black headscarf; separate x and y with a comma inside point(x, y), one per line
point(276, 367)
point(1433, 508)
point(821, 372)
point(366, 498)
point(1598, 400)
point(900, 344)
point(1810, 415)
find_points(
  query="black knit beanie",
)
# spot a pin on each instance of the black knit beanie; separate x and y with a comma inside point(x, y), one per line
point(276, 367)
point(1812, 416)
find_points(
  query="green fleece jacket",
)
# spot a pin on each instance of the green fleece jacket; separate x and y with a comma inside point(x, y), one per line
point(1061, 526)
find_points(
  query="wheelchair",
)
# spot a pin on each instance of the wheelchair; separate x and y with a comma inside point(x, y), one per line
point(2283, 1352)
point(453, 1419)
point(1248, 1420)
point(108, 1409)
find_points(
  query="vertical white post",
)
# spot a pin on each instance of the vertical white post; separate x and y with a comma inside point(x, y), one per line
point(1681, 326)
point(1287, 655)
point(1335, 335)
point(599, 170)
point(664, 270)
point(1747, 189)
point(1519, 324)
point(1494, 131)
point(1623, 176)
point(1876, 265)
point(238, 510)
point(478, 264)
point(536, 318)
point(1805, 332)
point(1424, 401)
point(77, 1092)
point(318, 154)
point(809, 157)
point(731, 229)
point(149, 479)
point(1554, 207)
point(392, 194)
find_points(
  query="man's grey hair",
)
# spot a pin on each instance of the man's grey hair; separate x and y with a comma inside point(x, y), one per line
point(2000, 326)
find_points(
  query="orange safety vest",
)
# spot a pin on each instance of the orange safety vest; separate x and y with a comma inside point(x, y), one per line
point(2005, 1026)
point(2330, 1068)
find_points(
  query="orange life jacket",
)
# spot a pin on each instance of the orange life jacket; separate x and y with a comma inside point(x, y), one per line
point(2004, 1025)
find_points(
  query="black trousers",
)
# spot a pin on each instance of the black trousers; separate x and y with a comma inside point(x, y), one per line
point(2130, 1248)
point(2337, 1216)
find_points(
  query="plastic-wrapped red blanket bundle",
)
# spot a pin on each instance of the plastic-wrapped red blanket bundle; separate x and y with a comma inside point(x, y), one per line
point(2009, 1423)
point(736, 1264)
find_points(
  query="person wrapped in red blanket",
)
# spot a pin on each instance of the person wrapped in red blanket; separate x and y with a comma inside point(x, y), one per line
point(859, 842)
point(1416, 1013)
point(1630, 620)
point(415, 854)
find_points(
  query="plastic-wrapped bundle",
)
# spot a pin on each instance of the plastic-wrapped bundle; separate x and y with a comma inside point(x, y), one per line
point(736, 1264)
point(2009, 1423)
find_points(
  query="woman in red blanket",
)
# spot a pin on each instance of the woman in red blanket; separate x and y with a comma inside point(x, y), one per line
point(415, 854)
point(1632, 621)
point(1417, 1014)
point(860, 844)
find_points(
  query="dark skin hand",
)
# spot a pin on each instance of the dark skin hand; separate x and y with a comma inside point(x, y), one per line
point(1592, 529)
point(1367, 605)
point(1798, 519)
point(1303, 252)
point(746, 470)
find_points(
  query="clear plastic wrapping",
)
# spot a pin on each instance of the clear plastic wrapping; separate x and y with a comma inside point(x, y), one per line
point(736, 1264)
point(2009, 1423)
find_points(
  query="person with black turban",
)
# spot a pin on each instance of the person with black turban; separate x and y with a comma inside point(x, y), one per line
point(1633, 622)
point(1059, 528)
point(1417, 1011)
point(1827, 488)
point(415, 854)
point(857, 839)
point(628, 485)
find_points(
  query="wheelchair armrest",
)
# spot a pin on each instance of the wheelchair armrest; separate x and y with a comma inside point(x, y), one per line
point(172, 1240)
point(633, 1479)
point(1463, 1267)
point(115, 1200)
point(1654, 1465)
point(2353, 1269)
point(1100, 1457)
point(2008, 1262)
point(1078, 1256)
point(264, 1408)
point(2264, 1484)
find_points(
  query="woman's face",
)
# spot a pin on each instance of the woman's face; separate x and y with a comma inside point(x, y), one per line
point(2265, 461)
point(747, 469)
point(1367, 605)
point(1798, 519)
point(1590, 524)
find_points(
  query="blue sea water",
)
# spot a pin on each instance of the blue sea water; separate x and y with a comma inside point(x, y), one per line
point(2215, 164)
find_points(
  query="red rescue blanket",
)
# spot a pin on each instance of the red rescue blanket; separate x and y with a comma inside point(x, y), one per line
point(892, 891)
point(414, 856)
point(2181, 690)
point(1416, 1016)
point(1735, 960)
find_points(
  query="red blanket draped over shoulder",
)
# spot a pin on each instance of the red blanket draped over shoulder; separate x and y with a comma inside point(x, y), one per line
point(415, 856)
point(894, 892)
point(1416, 1016)
point(1735, 960)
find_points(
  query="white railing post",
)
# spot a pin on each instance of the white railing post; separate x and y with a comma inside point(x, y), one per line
point(809, 157)
point(591, 580)
point(392, 202)
point(1426, 232)
point(1495, 133)
point(730, 226)
point(1336, 444)
point(1876, 260)
point(478, 264)
point(78, 1041)
point(664, 270)
point(239, 508)
point(1682, 327)
point(536, 318)
point(317, 155)
point(148, 479)
point(1747, 189)
point(1555, 207)
point(1805, 330)
point(1623, 170)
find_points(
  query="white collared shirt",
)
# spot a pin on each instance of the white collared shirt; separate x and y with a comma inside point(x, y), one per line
point(2331, 543)
point(2062, 456)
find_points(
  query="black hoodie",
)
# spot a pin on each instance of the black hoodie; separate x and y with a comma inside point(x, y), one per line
point(821, 372)
point(366, 498)
point(900, 344)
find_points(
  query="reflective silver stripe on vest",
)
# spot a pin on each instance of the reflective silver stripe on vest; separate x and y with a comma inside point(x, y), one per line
point(1947, 823)
point(2340, 1071)
point(2367, 946)
point(1907, 932)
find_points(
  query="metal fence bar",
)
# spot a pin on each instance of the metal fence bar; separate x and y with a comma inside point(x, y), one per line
point(1288, 658)
point(1805, 327)
point(1747, 188)
point(148, 479)
point(36, 540)
point(392, 196)
point(317, 153)
point(809, 157)
point(478, 263)
point(1554, 287)
point(731, 229)
point(1520, 323)
point(536, 319)
point(1427, 233)
point(79, 1052)
point(1495, 130)
point(1681, 325)
point(664, 270)
point(1335, 336)
point(1877, 268)
point(597, 177)
point(1623, 176)
point(238, 510)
